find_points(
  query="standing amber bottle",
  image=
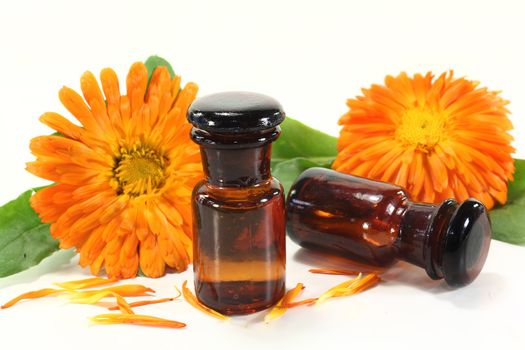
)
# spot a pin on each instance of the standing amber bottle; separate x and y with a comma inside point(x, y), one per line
point(239, 229)
point(376, 223)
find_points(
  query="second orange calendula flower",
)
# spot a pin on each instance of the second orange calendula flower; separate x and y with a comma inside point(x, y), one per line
point(439, 138)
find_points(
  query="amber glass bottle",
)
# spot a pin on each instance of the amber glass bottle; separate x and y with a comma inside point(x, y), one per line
point(239, 229)
point(376, 223)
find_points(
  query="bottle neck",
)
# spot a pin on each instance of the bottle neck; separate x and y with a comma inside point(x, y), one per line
point(239, 160)
point(421, 235)
point(236, 167)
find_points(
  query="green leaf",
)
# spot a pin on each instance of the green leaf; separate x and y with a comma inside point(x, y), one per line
point(24, 239)
point(508, 221)
point(155, 61)
point(298, 148)
point(288, 170)
point(299, 140)
point(517, 187)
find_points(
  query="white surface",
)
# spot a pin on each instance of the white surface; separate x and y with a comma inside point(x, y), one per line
point(407, 311)
point(311, 56)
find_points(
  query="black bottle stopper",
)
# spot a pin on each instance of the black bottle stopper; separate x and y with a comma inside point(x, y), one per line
point(235, 112)
point(466, 243)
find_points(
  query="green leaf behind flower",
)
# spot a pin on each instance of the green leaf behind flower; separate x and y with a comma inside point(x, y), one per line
point(517, 187)
point(508, 221)
point(299, 140)
point(298, 148)
point(288, 170)
point(155, 61)
point(24, 239)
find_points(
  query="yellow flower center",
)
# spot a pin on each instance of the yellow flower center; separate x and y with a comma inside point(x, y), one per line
point(139, 171)
point(422, 128)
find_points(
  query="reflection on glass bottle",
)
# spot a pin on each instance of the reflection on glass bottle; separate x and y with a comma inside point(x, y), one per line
point(376, 223)
point(239, 228)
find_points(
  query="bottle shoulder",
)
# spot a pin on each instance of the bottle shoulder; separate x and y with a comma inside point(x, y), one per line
point(327, 187)
point(265, 193)
point(329, 176)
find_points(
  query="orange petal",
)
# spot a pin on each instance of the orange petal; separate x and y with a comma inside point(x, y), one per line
point(340, 288)
point(150, 258)
point(62, 172)
point(75, 104)
point(129, 258)
point(93, 298)
point(62, 125)
point(140, 320)
point(334, 272)
point(131, 290)
point(309, 301)
point(144, 302)
point(366, 282)
point(110, 85)
point(85, 283)
point(95, 99)
point(282, 305)
point(350, 287)
point(136, 83)
point(32, 295)
point(68, 151)
point(192, 299)
point(126, 290)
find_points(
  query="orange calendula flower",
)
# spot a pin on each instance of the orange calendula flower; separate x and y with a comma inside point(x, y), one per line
point(124, 177)
point(438, 138)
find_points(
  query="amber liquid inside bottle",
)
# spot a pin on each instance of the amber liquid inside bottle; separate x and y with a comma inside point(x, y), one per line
point(359, 219)
point(239, 227)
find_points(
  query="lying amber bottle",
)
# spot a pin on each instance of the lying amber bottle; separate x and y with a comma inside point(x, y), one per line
point(376, 223)
point(238, 209)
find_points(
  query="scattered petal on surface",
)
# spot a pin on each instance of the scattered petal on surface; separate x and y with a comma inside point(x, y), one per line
point(125, 290)
point(350, 287)
point(94, 298)
point(192, 299)
point(282, 305)
point(335, 272)
point(85, 283)
point(309, 301)
point(140, 320)
point(33, 295)
point(143, 303)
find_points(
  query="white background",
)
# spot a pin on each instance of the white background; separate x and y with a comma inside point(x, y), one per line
point(311, 56)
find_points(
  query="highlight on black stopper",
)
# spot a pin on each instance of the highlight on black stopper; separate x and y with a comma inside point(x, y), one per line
point(235, 112)
point(466, 243)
